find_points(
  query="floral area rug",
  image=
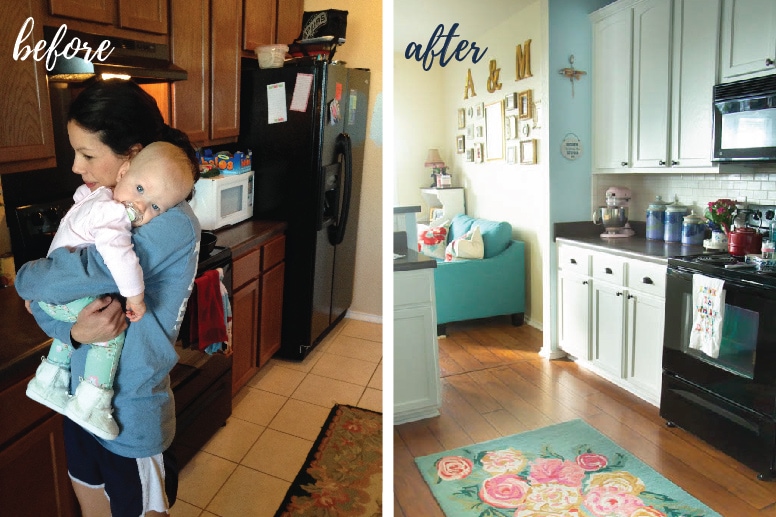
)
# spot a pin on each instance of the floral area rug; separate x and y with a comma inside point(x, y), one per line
point(568, 470)
point(343, 472)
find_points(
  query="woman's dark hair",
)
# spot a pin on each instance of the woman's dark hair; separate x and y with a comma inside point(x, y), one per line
point(123, 114)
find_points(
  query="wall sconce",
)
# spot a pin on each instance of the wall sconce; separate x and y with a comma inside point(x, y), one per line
point(434, 162)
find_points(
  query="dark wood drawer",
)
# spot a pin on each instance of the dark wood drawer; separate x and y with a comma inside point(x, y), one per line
point(19, 412)
point(246, 268)
point(274, 252)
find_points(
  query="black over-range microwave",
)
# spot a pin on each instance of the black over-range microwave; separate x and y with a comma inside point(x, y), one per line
point(745, 120)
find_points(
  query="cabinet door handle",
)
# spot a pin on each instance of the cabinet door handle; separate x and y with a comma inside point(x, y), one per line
point(661, 162)
point(573, 261)
point(630, 297)
point(619, 293)
point(674, 162)
point(584, 282)
point(608, 270)
point(647, 280)
point(769, 62)
point(624, 164)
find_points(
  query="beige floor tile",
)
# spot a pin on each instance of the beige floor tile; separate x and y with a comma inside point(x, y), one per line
point(184, 509)
point(356, 348)
point(278, 454)
point(300, 419)
point(202, 478)
point(277, 378)
point(301, 366)
point(256, 406)
point(234, 440)
point(327, 392)
point(372, 399)
point(249, 493)
point(376, 381)
point(364, 330)
point(345, 369)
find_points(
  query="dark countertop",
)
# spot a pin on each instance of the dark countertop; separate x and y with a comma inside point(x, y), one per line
point(412, 261)
point(24, 343)
point(588, 235)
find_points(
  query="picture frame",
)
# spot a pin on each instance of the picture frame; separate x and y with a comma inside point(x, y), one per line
point(511, 132)
point(494, 131)
point(470, 131)
point(479, 110)
point(524, 105)
point(478, 152)
point(461, 118)
point(435, 212)
point(528, 152)
point(512, 154)
point(460, 144)
point(470, 113)
point(510, 101)
point(470, 155)
point(479, 131)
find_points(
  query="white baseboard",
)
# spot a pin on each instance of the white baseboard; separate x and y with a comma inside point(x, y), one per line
point(372, 318)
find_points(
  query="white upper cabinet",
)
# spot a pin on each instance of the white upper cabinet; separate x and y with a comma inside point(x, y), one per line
point(612, 89)
point(748, 45)
point(661, 57)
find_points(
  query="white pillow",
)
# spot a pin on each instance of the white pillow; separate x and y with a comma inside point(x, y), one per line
point(467, 247)
point(432, 241)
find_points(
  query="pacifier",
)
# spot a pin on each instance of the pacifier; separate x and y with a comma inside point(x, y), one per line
point(135, 215)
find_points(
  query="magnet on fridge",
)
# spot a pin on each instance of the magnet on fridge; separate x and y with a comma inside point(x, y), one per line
point(334, 112)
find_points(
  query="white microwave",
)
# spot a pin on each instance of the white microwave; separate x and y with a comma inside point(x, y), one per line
point(223, 200)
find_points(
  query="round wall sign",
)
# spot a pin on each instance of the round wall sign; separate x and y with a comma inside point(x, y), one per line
point(571, 147)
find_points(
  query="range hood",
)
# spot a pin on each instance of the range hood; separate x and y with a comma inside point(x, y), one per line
point(143, 61)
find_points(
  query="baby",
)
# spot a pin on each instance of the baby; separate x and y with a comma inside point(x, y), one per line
point(157, 178)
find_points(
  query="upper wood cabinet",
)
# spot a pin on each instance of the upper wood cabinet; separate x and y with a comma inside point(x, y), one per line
point(271, 21)
point(748, 46)
point(139, 15)
point(207, 105)
point(27, 134)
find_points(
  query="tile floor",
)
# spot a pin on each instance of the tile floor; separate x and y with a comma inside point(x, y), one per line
point(247, 467)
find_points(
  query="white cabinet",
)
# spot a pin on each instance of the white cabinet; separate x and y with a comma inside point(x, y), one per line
point(612, 90)
point(447, 202)
point(416, 392)
point(574, 288)
point(748, 44)
point(611, 319)
point(654, 67)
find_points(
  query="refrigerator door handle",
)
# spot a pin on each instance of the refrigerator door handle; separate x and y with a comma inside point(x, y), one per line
point(343, 148)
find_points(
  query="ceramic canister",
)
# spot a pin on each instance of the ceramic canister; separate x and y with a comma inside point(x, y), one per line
point(693, 229)
point(673, 222)
point(656, 213)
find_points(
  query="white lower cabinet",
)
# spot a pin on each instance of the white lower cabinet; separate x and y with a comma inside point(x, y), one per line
point(611, 320)
point(416, 392)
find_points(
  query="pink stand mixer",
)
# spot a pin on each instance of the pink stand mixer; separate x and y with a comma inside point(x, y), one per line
point(614, 216)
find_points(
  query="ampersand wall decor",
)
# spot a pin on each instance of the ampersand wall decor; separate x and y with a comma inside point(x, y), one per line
point(493, 83)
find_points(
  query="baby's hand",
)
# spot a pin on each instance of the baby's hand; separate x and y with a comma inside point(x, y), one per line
point(27, 304)
point(136, 308)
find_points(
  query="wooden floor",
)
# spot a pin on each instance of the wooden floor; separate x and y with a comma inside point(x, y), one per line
point(495, 384)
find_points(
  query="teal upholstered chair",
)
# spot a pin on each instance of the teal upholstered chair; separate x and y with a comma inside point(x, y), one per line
point(480, 288)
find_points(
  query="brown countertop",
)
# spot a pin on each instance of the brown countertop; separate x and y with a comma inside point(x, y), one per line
point(588, 235)
point(23, 343)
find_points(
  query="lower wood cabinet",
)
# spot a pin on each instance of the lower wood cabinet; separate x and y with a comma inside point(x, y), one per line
point(33, 470)
point(257, 308)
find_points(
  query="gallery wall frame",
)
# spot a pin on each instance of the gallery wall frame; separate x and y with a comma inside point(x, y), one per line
point(494, 131)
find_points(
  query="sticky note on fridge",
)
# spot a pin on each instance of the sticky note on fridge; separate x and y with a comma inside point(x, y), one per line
point(304, 83)
point(276, 103)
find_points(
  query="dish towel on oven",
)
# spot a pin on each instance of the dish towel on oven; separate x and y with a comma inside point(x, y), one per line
point(708, 302)
point(208, 320)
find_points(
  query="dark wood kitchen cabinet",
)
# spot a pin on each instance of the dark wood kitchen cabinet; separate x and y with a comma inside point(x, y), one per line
point(33, 472)
point(271, 21)
point(256, 308)
point(205, 41)
point(27, 134)
point(139, 15)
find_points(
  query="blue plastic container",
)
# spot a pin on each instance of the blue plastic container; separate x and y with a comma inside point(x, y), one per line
point(656, 214)
point(672, 231)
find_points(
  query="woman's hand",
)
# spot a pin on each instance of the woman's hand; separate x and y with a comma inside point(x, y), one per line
point(100, 321)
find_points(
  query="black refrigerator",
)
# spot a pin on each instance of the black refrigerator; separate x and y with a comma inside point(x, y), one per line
point(305, 124)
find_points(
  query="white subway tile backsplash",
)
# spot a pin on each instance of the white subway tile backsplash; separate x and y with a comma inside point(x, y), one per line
point(694, 190)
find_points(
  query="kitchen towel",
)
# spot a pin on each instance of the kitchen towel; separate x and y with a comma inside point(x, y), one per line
point(207, 316)
point(708, 302)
